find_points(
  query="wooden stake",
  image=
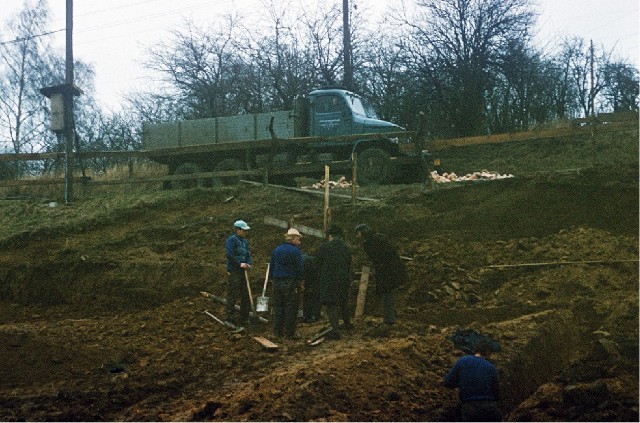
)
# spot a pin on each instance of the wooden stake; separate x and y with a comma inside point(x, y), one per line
point(327, 217)
point(354, 178)
point(362, 291)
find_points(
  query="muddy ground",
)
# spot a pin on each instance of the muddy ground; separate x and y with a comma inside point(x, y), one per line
point(102, 317)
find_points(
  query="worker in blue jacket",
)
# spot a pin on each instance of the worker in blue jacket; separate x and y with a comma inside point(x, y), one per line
point(286, 269)
point(478, 384)
point(238, 262)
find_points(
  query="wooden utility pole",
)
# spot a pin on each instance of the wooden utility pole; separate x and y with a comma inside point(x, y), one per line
point(592, 89)
point(346, 36)
point(68, 108)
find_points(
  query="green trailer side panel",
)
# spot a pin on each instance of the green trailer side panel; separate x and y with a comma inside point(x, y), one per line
point(236, 128)
point(218, 130)
point(283, 124)
point(160, 135)
point(197, 132)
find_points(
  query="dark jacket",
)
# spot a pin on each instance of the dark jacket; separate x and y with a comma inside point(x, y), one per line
point(237, 249)
point(476, 377)
point(286, 262)
point(389, 269)
point(333, 265)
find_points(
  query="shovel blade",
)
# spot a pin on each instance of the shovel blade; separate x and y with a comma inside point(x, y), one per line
point(262, 304)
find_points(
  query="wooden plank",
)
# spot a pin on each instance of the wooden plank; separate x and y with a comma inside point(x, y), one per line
point(318, 337)
point(559, 263)
point(36, 182)
point(533, 135)
point(309, 191)
point(362, 291)
point(267, 344)
point(223, 301)
point(285, 225)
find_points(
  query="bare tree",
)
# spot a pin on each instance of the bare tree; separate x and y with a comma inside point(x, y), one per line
point(382, 76)
point(620, 90)
point(325, 37)
point(463, 40)
point(25, 68)
point(522, 92)
point(283, 67)
point(202, 65)
point(155, 107)
point(587, 69)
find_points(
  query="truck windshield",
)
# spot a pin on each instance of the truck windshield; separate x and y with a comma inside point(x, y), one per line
point(361, 106)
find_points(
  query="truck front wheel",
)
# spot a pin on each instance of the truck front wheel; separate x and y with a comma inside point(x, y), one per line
point(374, 167)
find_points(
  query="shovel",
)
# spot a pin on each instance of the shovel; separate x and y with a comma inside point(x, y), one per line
point(246, 277)
point(262, 303)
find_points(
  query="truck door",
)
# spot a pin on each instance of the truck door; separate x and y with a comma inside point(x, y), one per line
point(331, 116)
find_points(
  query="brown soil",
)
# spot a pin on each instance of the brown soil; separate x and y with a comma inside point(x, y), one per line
point(104, 320)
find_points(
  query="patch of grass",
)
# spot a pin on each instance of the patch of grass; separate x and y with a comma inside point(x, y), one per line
point(546, 155)
point(33, 217)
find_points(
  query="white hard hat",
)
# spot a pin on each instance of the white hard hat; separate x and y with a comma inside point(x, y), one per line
point(241, 224)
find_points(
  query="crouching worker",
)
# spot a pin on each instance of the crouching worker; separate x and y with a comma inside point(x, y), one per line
point(477, 380)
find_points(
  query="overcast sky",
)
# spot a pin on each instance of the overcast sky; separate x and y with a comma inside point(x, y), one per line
point(112, 35)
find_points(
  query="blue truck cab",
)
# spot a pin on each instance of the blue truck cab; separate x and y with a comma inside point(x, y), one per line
point(335, 112)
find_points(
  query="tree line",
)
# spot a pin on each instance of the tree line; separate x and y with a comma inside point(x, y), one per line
point(456, 67)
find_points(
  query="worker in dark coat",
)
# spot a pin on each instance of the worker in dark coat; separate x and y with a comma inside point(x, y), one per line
point(286, 270)
point(478, 383)
point(333, 264)
point(389, 270)
point(311, 304)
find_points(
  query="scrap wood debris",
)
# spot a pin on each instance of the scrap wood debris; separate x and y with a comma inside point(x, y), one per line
point(483, 175)
point(340, 183)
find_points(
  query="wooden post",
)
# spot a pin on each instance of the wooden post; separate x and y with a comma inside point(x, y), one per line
point(327, 212)
point(362, 291)
point(354, 178)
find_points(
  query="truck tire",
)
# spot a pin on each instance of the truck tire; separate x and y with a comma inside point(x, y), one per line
point(225, 165)
point(186, 169)
point(374, 167)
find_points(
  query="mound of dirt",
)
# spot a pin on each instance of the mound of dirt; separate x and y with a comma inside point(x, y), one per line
point(102, 316)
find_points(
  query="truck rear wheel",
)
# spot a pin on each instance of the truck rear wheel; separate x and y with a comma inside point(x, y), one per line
point(227, 165)
point(374, 167)
point(186, 169)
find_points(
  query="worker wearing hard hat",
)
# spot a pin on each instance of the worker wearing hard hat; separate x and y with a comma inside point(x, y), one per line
point(286, 269)
point(238, 262)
